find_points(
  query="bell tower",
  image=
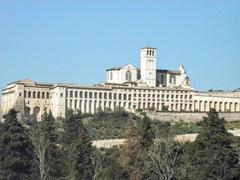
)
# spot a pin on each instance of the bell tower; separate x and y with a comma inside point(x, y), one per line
point(149, 65)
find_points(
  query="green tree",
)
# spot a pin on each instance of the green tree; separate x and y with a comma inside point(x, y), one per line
point(71, 126)
point(54, 153)
point(212, 155)
point(77, 146)
point(146, 133)
point(111, 168)
point(130, 151)
point(82, 153)
point(16, 150)
point(139, 138)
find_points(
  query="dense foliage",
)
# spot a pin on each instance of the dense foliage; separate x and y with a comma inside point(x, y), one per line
point(16, 151)
point(212, 155)
point(107, 124)
point(62, 149)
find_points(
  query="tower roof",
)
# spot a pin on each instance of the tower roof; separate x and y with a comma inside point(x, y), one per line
point(147, 47)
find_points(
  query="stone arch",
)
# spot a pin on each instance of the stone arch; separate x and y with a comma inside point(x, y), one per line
point(27, 111)
point(200, 106)
point(85, 94)
point(235, 107)
point(29, 94)
point(90, 95)
point(225, 106)
point(230, 107)
point(220, 107)
point(129, 97)
point(215, 106)
point(36, 111)
point(34, 94)
point(129, 105)
point(100, 95)
point(195, 105)
point(47, 95)
point(124, 96)
point(205, 106)
point(119, 96)
point(90, 106)
point(43, 95)
point(76, 94)
point(38, 95)
point(70, 104)
point(210, 105)
point(75, 105)
point(71, 94)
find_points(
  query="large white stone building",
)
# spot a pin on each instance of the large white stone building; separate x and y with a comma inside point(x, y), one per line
point(131, 88)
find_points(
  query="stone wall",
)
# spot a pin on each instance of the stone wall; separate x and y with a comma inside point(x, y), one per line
point(189, 117)
point(181, 138)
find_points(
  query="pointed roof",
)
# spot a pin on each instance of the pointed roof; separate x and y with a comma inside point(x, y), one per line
point(120, 67)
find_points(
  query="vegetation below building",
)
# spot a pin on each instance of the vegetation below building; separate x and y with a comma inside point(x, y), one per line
point(62, 149)
point(112, 125)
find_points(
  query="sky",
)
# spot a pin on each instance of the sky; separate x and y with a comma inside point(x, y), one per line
point(76, 41)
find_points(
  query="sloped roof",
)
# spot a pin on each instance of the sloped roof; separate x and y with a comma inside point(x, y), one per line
point(119, 67)
point(115, 68)
point(168, 71)
point(147, 47)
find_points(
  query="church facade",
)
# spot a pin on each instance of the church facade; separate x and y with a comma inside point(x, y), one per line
point(144, 88)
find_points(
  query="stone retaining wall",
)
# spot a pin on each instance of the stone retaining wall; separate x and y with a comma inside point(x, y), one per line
point(181, 138)
point(189, 117)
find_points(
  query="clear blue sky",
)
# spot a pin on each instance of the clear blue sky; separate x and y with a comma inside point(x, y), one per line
point(75, 41)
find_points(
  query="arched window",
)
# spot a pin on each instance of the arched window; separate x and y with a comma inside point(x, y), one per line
point(38, 95)
point(86, 95)
point(34, 94)
point(47, 95)
point(128, 76)
point(43, 95)
point(29, 94)
point(90, 95)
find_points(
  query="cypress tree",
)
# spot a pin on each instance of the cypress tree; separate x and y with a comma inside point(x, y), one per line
point(16, 150)
point(212, 155)
point(139, 138)
point(77, 147)
point(71, 126)
point(129, 158)
point(83, 152)
point(54, 150)
point(146, 133)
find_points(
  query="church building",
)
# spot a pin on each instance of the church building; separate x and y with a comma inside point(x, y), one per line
point(145, 88)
